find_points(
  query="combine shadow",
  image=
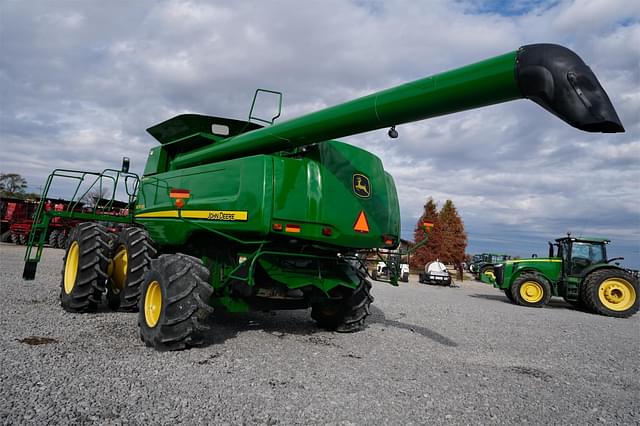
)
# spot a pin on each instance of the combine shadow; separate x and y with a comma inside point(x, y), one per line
point(225, 326)
point(378, 317)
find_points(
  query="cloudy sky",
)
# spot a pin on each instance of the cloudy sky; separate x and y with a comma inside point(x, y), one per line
point(80, 81)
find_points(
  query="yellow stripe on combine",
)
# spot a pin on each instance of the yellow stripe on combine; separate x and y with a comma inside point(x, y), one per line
point(224, 215)
point(533, 260)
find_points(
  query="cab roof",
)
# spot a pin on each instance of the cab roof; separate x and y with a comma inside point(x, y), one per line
point(585, 239)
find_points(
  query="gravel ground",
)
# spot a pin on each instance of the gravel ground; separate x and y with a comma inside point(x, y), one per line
point(460, 355)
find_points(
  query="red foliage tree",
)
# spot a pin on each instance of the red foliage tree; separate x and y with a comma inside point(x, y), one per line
point(429, 251)
point(447, 238)
point(454, 242)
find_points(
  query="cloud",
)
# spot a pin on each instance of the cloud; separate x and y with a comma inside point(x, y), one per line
point(80, 83)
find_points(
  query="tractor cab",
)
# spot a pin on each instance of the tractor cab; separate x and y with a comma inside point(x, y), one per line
point(579, 255)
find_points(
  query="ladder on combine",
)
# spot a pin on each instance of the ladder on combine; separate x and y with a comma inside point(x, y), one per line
point(102, 186)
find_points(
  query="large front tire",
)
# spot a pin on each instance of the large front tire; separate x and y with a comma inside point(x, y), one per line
point(531, 290)
point(611, 292)
point(84, 268)
point(131, 257)
point(347, 315)
point(173, 303)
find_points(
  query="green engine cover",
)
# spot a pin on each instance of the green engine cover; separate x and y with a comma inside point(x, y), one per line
point(331, 193)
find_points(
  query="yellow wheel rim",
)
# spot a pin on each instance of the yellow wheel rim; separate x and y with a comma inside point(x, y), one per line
point(119, 271)
point(152, 304)
point(617, 294)
point(71, 267)
point(490, 274)
point(531, 292)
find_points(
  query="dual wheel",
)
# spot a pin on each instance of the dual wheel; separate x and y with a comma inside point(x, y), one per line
point(171, 292)
point(57, 238)
point(610, 292)
point(97, 263)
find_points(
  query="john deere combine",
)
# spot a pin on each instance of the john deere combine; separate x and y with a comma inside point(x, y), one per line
point(235, 216)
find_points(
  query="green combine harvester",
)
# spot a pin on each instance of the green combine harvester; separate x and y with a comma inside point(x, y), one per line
point(230, 215)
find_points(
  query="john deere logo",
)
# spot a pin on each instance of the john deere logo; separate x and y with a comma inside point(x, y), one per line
point(361, 186)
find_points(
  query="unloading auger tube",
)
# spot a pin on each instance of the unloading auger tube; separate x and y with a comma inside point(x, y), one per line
point(550, 75)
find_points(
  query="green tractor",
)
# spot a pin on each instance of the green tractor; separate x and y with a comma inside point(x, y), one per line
point(579, 272)
point(232, 215)
point(483, 264)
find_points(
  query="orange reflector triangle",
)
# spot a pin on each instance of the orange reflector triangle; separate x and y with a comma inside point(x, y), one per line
point(362, 225)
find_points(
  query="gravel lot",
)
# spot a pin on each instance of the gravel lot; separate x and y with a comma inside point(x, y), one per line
point(460, 355)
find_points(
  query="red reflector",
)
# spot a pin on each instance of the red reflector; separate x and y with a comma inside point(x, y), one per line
point(180, 203)
point(277, 227)
point(361, 225)
point(179, 193)
point(292, 228)
point(326, 232)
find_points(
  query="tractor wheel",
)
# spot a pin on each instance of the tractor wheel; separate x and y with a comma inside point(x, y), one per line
point(405, 277)
point(62, 240)
point(131, 256)
point(84, 268)
point(507, 292)
point(53, 238)
point(173, 304)
point(530, 289)
point(22, 239)
point(15, 238)
point(611, 292)
point(347, 315)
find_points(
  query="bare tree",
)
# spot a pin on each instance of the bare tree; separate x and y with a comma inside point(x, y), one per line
point(12, 185)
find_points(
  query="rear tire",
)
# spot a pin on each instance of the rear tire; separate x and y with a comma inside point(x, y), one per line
point(62, 240)
point(173, 304)
point(531, 290)
point(15, 238)
point(53, 238)
point(84, 268)
point(611, 292)
point(22, 239)
point(131, 257)
point(347, 315)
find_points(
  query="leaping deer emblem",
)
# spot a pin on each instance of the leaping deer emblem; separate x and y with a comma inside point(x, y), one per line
point(361, 185)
